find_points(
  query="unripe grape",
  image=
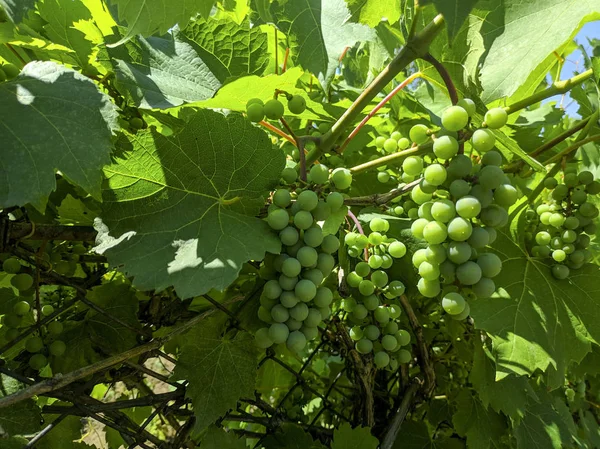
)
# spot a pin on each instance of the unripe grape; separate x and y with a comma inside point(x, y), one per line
point(335, 201)
point(22, 281)
point(559, 255)
point(496, 118)
point(55, 328)
point(454, 118)
point(397, 249)
point(57, 348)
point(379, 141)
point(435, 174)
point(468, 207)
point(21, 308)
point(278, 219)
point(11, 265)
point(396, 288)
point(389, 342)
point(303, 220)
point(379, 225)
point(289, 175)
point(34, 344)
point(314, 318)
point(403, 337)
point(296, 341)
point(379, 278)
point(366, 287)
point(341, 178)
point(323, 297)
point(289, 236)
point(364, 346)
point(136, 123)
point(390, 145)
point(445, 147)
point(372, 332)
point(254, 101)
point(382, 315)
point(468, 273)
point(468, 105)
point(403, 356)
point(274, 109)
point(484, 288)
point(305, 290)
point(297, 104)
point(38, 361)
point(381, 359)
point(262, 338)
point(412, 165)
point(560, 271)
point(313, 236)
point(319, 174)
point(255, 112)
point(490, 264)
point(429, 289)
point(459, 229)
point(483, 140)
point(360, 312)
point(419, 134)
point(453, 303)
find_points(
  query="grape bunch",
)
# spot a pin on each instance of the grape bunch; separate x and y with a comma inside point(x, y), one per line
point(23, 316)
point(561, 224)
point(457, 207)
point(373, 309)
point(319, 174)
point(294, 302)
point(273, 109)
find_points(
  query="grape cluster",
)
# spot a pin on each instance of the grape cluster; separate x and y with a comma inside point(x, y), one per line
point(273, 109)
point(373, 309)
point(560, 226)
point(294, 302)
point(457, 207)
point(319, 174)
point(23, 315)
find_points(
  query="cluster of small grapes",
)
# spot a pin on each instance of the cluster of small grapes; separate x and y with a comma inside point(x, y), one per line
point(373, 308)
point(561, 225)
point(294, 302)
point(340, 178)
point(457, 207)
point(23, 316)
point(273, 109)
point(8, 71)
point(64, 259)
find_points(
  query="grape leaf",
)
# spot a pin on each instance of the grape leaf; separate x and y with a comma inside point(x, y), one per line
point(184, 205)
point(455, 13)
point(73, 123)
point(414, 435)
point(22, 418)
point(345, 437)
point(220, 370)
point(76, 211)
point(291, 436)
point(150, 16)
point(120, 301)
point(66, 435)
point(230, 49)
point(61, 15)
point(320, 32)
point(530, 31)
point(371, 12)
point(217, 438)
point(17, 10)
point(483, 428)
point(536, 321)
point(163, 72)
point(79, 351)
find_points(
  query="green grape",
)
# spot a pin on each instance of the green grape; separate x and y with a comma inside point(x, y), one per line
point(335, 201)
point(559, 255)
point(443, 210)
point(403, 356)
point(587, 210)
point(303, 219)
point(371, 302)
point(496, 118)
point(381, 314)
point(274, 109)
point(560, 192)
point(396, 288)
point(278, 333)
point(349, 304)
point(307, 200)
point(459, 252)
point(21, 308)
point(494, 216)
point(379, 225)
point(485, 196)
point(379, 141)
point(585, 177)
point(296, 341)
point(435, 254)
point(417, 227)
point(455, 118)
point(403, 143)
point(255, 112)
point(483, 140)
point(480, 238)
point(435, 174)
point(291, 267)
point(55, 328)
point(386, 261)
point(11, 265)
point(293, 325)
point(419, 134)
point(460, 166)
point(323, 297)
point(38, 361)
point(593, 188)
point(289, 236)
point(330, 244)
point(376, 238)
point(372, 332)
point(313, 236)
point(425, 210)
point(435, 232)
point(468, 207)
point(356, 333)
point(397, 249)
point(57, 348)
point(322, 211)
point(490, 264)
point(375, 261)
point(12, 321)
point(34, 344)
point(262, 338)
point(288, 299)
point(468, 105)
point(389, 342)
point(459, 188)
point(341, 178)
point(379, 278)
point(570, 179)
point(271, 289)
point(314, 318)
point(325, 263)
point(447, 272)
point(506, 195)
point(569, 236)
point(315, 275)
point(287, 283)
point(412, 165)
point(136, 123)
point(305, 290)
point(279, 313)
point(459, 229)
point(484, 288)
point(490, 177)
point(557, 220)
point(2, 76)
point(289, 175)
point(319, 174)
point(560, 271)
point(445, 147)
point(390, 145)
point(463, 315)
point(366, 287)
point(364, 346)
point(22, 281)
point(429, 271)
point(550, 183)
point(402, 337)
point(278, 219)
point(11, 334)
point(468, 273)
point(381, 359)
point(429, 289)
point(419, 257)
point(297, 104)
point(419, 196)
point(254, 101)
point(353, 279)
point(453, 303)
point(383, 177)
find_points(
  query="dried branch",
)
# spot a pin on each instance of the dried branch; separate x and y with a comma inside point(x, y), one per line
point(391, 433)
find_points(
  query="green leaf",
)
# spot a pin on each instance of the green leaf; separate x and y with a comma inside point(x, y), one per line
point(413, 435)
point(17, 10)
point(217, 438)
point(120, 301)
point(507, 144)
point(536, 321)
point(76, 211)
point(345, 437)
point(163, 72)
point(334, 221)
point(65, 435)
point(150, 16)
point(455, 13)
point(61, 16)
point(483, 428)
point(52, 118)
point(291, 436)
point(220, 370)
point(371, 12)
point(79, 351)
point(535, 28)
point(508, 395)
point(319, 34)
point(21, 418)
point(184, 206)
point(230, 49)
point(236, 94)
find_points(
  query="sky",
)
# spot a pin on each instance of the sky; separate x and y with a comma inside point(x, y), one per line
point(575, 63)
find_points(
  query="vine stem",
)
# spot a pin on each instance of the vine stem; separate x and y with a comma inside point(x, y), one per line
point(376, 109)
point(416, 47)
point(441, 69)
point(395, 157)
point(567, 151)
point(391, 433)
point(378, 199)
point(360, 230)
point(277, 131)
point(300, 145)
point(285, 60)
point(557, 88)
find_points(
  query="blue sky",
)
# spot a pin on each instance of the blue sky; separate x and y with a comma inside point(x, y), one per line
point(575, 63)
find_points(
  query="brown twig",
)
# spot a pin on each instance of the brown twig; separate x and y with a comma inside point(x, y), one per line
point(391, 433)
